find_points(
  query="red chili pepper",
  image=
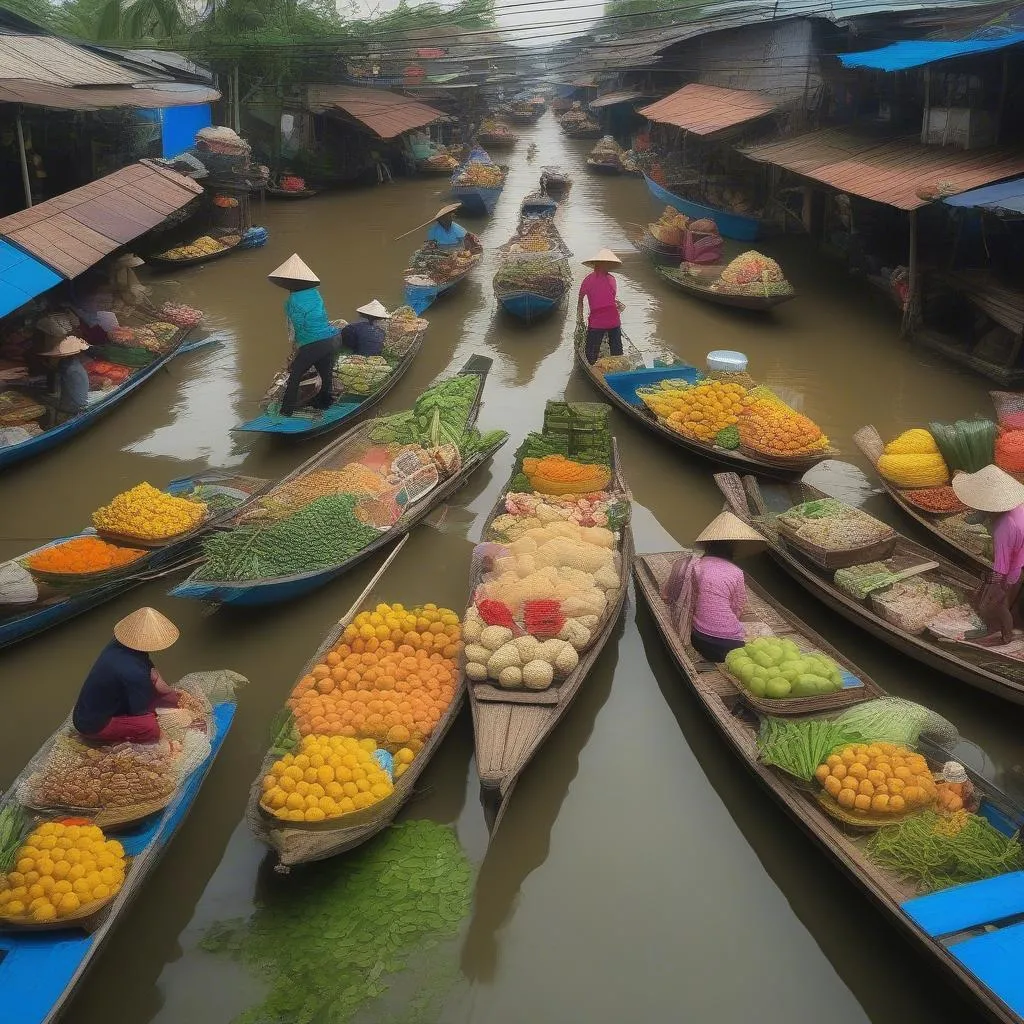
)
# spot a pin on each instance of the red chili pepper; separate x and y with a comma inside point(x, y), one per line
point(543, 618)
point(496, 613)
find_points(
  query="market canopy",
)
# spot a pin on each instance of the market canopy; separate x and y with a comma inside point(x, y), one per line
point(887, 170)
point(22, 278)
point(385, 113)
point(610, 99)
point(704, 109)
point(156, 96)
point(916, 53)
point(73, 232)
point(1006, 197)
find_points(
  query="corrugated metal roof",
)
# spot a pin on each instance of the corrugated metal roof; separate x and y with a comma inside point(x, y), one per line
point(22, 278)
point(385, 113)
point(609, 99)
point(73, 232)
point(156, 97)
point(47, 59)
point(704, 109)
point(1006, 197)
point(916, 53)
point(887, 170)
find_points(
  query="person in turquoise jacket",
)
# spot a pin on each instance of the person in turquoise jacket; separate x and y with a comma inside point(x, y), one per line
point(316, 338)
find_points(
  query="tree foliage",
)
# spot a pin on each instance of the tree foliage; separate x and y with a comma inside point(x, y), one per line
point(631, 15)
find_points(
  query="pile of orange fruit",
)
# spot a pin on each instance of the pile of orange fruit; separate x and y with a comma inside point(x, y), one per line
point(390, 678)
point(774, 429)
point(877, 779)
point(700, 411)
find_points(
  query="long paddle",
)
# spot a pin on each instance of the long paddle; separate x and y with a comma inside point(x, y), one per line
point(351, 613)
point(419, 227)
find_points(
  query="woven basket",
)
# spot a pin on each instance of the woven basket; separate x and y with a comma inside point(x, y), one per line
point(910, 497)
point(801, 705)
point(807, 459)
point(864, 821)
point(73, 581)
point(83, 914)
point(138, 542)
point(876, 551)
point(113, 817)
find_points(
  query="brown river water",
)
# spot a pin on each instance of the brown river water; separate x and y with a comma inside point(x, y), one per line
point(640, 872)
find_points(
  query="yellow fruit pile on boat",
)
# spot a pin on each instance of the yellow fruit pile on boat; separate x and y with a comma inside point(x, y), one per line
point(700, 411)
point(877, 779)
point(555, 474)
point(913, 460)
point(59, 870)
point(330, 777)
point(480, 175)
point(669, 227)
point(769, 426)
point(202, 246)
point(146, 513)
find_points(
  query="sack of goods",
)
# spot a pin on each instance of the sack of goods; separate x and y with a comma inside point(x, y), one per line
point(669, 227)
point(832, 525)
point(540, 275)
point(753, 274)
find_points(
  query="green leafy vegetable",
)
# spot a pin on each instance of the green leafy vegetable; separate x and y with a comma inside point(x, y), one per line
point(799, 747)
point(967, 444)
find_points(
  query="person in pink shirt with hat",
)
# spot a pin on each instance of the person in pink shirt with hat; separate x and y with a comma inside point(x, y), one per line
point(599, 289)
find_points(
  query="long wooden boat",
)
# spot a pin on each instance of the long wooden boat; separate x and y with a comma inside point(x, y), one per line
point(498, 140)
point(869, 441)
point(731, 225)
point(163, 263)
point(301, 844)
point(274, 590)
point(977, 666)
point(510, 726)
point(57, 605)
point(658, 252)
point(735, 458)
point(530, 306)
point(523, 116)
point(555, 179)
point(40, 970)
point(344, 412)
point(538, 205)
point(273, 192)
point(13, 453)
point(476, 201)
point(706, 291)
point(972, 931)
point(585, 132)
point(599, 167)
point(420, 297)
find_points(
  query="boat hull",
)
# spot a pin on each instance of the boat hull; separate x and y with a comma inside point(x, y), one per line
point(731, 225)
point(539, 209)
point(477, 202)
point(596, 167)
point(698, 291)
point(528, 306)
point(281, 193)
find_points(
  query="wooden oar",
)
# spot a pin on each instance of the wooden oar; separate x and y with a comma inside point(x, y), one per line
point(419, 227)
point(351, 613)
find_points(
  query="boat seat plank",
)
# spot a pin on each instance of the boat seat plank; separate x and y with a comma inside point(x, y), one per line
point(495, 694)
point(526, 723)
point(968, 906)
point(492, 731)
point(995, 959)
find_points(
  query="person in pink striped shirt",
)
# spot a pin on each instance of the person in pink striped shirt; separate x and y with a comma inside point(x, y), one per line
point(599, 289)
point(708, 592)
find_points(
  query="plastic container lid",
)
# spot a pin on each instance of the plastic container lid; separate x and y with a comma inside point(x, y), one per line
point(727, 361)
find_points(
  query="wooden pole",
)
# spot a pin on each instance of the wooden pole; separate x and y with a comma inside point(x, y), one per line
point(351, 613)
point(26, 183)
point(912, 283)
point(237, 100)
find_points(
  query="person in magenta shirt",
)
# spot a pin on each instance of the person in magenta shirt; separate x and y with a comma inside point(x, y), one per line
point(707, 591)
point(599, 289)
point(995, 492)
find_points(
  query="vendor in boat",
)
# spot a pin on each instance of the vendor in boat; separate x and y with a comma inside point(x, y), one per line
point(93, 305)
point(707, 591)
point(599, 289)
point(70, 381)
point(50, 330)
point(316, 338)
point(366, 336)
point(124, 284)
point(448, 235)
point(993, 491)
point(118, 701)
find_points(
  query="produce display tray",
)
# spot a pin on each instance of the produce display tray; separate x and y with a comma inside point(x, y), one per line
point(867, 822)
point(876, 551)
point(114, 817)
point(137, 542)
point(802, 705)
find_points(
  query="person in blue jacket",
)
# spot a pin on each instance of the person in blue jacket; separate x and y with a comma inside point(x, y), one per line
point(316, 338)
point(449, 236)
point(366, 336)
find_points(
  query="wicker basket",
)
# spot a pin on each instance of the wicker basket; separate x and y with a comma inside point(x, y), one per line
point(876, 551)
point(802, 705)
point(864, 821)
point(112, 817)
point(792, 462)
point(894, 616)
point(139, 542)
point(910, 497)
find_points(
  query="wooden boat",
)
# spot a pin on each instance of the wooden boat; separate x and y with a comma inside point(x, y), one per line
point(510, 726)
point(421, 296)
point(298, 843)
point(977, 666)
point(342, 413)
point(273, 192)
point(705, 290)
point(870, 443)
point(731, 225)
point(538, 205)
point(584, 132)
point(659, 253)
point(763, 464)
point(600, 167)
point(555, 179)
point(476, 201)
point(57, 605)
point(523, 116)
point(530, 306)
point(162, 263)
point(498, 140)
point(32, 446)
point(972, 931)
point(40, 970)
point(274, 590)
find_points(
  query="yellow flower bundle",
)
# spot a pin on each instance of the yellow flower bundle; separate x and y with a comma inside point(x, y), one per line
point(148, 514)
point(913, 460)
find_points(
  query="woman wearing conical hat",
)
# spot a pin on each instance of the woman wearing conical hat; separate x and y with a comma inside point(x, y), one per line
point(993, 491)
point(365, 336)
point(599, 289)
point(316, 338)
point(707, 591)
point(449, 236)
point(70, 381)
point(118, 701)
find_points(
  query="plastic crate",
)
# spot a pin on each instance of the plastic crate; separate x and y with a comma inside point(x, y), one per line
point(625, 384)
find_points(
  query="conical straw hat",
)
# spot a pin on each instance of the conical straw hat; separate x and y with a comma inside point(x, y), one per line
point(376, 309)
point(294, 269)
point(726, 526)
point(989, 490)
point(604, 256)
point(69, 346)
point(146, 630)
point(445, 210)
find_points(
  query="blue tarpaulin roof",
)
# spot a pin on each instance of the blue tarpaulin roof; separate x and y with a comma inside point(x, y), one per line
point(1007, 196)
point(22, 277)
point(915, 53)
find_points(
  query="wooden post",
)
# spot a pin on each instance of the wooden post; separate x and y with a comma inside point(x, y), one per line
point(236, 100)
point(910, 311)
point(26, 183)
point(1004, 87)
point(927, 104)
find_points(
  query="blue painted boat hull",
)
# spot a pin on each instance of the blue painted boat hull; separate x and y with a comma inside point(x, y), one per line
point(39, 970)
point(477, 202)
point(731, 225)
point(529, 306)
point(301, 426)
point(539, 209)
point(420, 297)
point(13, 453)
point(256, 595)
